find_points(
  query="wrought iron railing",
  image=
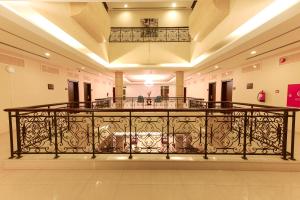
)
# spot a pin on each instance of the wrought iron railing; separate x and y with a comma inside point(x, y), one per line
point(149, 34)
point(149, 102)
point(240, 129)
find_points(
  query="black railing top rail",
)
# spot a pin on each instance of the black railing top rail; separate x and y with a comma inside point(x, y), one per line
point(234, 106)
point(142, 27)
point(152, 110)
point(149, 34)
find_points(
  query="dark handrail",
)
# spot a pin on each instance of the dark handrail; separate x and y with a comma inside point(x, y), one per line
point(53, 121)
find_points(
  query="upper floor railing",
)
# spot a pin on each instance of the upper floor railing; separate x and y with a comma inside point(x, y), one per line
point(149, 34)
point(85, 128)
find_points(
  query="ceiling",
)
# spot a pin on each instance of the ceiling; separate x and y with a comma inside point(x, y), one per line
point(150, 5)
point(271, 41)
point(275, 41)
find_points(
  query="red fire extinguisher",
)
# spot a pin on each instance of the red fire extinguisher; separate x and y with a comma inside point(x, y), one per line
point(261, 96)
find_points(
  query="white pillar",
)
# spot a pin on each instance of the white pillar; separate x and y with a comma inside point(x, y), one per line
point(119, 89)
point(180, 88)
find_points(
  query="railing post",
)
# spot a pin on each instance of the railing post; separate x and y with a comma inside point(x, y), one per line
point(11, 136)
point(284, 141)
point(93, 134)
point(130, 138)
point(18, 135)
point(245, 137)
point(168, 135)
point(251, 125)
point(55, 138)
point(206, 134)
point(293, 136)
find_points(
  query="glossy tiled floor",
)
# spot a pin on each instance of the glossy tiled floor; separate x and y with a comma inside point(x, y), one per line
point(123, 185)
point(144, 185)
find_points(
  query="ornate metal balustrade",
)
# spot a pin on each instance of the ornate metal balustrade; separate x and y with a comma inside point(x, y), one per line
point(149, 34)
point(150, 102)
point(242, 129)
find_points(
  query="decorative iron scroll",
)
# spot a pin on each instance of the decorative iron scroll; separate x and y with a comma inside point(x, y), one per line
point(149, 34)
point(170, 132)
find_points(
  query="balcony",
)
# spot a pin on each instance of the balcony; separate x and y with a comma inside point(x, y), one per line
point(146, 34)
point(241, 129)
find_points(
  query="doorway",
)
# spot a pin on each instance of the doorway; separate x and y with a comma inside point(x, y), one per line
point(73, 91)
point(211, 95)
point(184, 94)
point(87, 95)
point(226, 93)
point(164, 92)
point(114, 95)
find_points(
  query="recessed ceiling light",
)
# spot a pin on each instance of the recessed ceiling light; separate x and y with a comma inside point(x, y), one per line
point(174, 5)
point(125, 5)
point(254, 66)
point(82, 68)
point(253, 52)
point(47, 54)
point(198, 73)
point(216, 67)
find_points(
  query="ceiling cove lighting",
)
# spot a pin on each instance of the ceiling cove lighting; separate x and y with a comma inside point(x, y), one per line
point(175, 65)
point(275, 8)
point(120, 65)
point(253, 52)
point(43, 23)
point(174, 5)
point(47, 54)
point(149, 82)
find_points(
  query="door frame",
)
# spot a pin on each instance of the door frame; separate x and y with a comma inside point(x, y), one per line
point(226, 105)
point(212, 105)
point(88, 104)
point(76, 105)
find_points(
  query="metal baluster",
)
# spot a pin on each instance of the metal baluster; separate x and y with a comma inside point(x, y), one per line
point(251, 126)
point(284, 141)
point(50, 132)
point(88, 133)
point(205, 141)
point(23, 134)
point(239, 134)
point(93, 134)
point(55, 134)
point(130, 138)
point(168, 135)
point(293, 136)
point(11, 136)
point(18, 135)
point(245, 137)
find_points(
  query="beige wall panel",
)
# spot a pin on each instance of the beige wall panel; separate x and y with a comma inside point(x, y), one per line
point(166, 18)
point(149, 53)
point(29, 86)
point(270, 77)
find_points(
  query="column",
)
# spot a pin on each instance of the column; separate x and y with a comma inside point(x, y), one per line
point(180, 88)
point(119, 89)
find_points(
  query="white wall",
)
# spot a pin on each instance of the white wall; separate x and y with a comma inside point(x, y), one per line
point(166, 18)
point(136, 90)
point(29, 86)
point(271, 77)
point(149, 52)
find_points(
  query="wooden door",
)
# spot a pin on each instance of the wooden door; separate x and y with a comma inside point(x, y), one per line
point(211, 95)
point(226, 93)
point(114, 94)
point(87, 95)
point(73, 91)
point(184, 94)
